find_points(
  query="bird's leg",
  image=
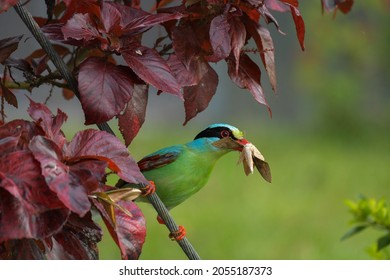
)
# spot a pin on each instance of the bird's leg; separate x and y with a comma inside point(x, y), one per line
point(176, 235)
point(149, 189)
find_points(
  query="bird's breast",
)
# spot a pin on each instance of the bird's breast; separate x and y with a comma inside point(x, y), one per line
point(182, 178)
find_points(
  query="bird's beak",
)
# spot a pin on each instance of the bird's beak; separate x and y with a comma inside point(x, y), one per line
point(230, 143)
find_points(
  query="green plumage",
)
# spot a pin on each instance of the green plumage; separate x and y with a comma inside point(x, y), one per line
point(187, 173)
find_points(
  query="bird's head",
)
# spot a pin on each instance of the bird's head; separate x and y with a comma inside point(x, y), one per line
point(224, 136)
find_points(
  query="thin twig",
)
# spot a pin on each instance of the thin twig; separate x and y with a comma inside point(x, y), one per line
point(72, 82)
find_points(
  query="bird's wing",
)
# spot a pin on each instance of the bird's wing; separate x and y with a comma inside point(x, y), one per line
point(159, 158)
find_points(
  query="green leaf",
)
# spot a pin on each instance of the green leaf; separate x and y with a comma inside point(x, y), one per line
point(351, 205)
point(353, 231)
point(383, 242)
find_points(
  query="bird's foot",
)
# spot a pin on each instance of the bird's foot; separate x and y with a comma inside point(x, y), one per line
point(160, 220)
point(178, 235)
point(149, 189)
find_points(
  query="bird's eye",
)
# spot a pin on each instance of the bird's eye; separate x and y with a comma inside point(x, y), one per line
point(225, 133)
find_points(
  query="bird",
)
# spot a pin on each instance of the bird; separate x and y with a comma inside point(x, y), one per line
point(180, 171)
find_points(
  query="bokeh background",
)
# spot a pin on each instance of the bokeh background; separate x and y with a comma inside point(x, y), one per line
point(328, 141)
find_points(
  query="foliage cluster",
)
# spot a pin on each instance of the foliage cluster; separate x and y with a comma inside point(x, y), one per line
point(370, 213)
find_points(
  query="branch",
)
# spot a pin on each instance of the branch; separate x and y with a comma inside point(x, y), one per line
point(72, 83)
point(36, 82)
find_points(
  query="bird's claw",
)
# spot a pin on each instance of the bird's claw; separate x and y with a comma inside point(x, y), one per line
point(178, 235)
point(149, 189)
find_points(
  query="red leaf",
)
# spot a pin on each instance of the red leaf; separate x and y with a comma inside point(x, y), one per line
point(186, 44)
point(248, 77)
point(80, 27)
point(104, 88)
point(133, 21)
point(77, 240)
point(219, 38)
point(299, 26)
point(133, 117)
point(128, 232)
point(54, 32)
point(6, 4)
point(50, 124)
point(22, 130)
point(150, 67)
point(68, 187)
point(111, 18)
point(8, 45)
point(82, 7)
point(265, 46)
point(19, 222)
point(90, 172)
point(238, 36)
point(268, 16)
point(93, 144)
point(198, 97)
point(190, 75)
point(22, 249)
point(24, 181)
point(28, 208)
point(9, 144)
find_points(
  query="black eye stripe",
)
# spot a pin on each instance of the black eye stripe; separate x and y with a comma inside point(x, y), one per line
point(214, 132)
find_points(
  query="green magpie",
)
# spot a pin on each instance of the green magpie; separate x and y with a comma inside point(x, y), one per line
point(180, 171)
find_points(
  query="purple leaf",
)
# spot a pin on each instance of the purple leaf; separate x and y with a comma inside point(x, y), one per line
point(80, 27)
point(28, 208)
point(133, 117)
point(104, 88)
point(68, 187)
point(219, 38)
point(150, 67)
point(187, 76)
point(248, 77)
point(50, 124)
point(77, 240)
point(128, 232)
point(22, 249)
point(186, 44)
point(99, 145)
point(133, 21)
point(265, 46)
point(238, 36)
point(19, 222)
point(22, 130)
point(198, 97)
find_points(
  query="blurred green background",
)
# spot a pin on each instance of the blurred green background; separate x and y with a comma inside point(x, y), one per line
point(328, 141)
